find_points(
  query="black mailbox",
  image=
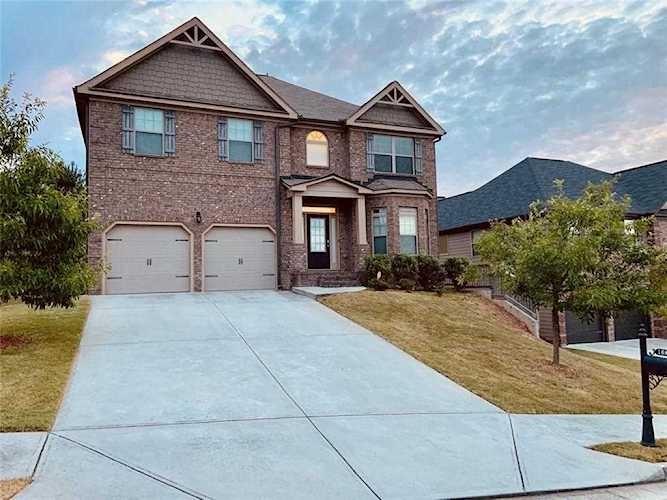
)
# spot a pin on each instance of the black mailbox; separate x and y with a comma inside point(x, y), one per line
point(656, 365)
point(654, 369)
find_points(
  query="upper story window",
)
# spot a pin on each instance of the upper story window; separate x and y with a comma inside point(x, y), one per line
point(317, 149)
point(392, 154)
point(379, 225)
point(407, 230)
point(240, 141)
point(148, 131)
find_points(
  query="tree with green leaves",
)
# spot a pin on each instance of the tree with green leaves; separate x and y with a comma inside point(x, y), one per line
point(579, 255)
point(44, 226)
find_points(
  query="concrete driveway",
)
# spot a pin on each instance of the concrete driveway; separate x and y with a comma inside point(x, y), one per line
point(272, 395)
point(622, 348)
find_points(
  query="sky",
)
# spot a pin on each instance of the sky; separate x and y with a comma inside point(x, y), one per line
point(583, 80)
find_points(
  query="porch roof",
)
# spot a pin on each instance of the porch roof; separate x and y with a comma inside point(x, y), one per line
point(377, 185)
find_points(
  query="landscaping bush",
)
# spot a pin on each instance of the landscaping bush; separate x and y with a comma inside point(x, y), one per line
point(407, 284)
point(372, 266)
point(430, 274)
point(455, 269)
point(403, 267)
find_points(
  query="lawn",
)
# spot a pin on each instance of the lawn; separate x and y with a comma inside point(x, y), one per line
point(480, 346)
point(636, 450)
point(36, 352)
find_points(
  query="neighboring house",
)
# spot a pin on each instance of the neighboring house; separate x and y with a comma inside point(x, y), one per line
point(462, 218)
point(207, 176)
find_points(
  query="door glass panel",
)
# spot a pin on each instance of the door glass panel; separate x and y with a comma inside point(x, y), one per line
point(317, 235)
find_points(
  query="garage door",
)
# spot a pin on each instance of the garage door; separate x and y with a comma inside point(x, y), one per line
point(239, 258)
point(579, 331)
point(147, 259)
point(626, 324)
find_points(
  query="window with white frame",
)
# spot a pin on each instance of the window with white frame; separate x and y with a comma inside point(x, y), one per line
point(240, 140)
point(317, 149)
point(379, 225)
point(393, 154)
point(407, 230)
point(149, 131)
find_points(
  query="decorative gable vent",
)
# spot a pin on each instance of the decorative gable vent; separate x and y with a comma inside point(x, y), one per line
point(195, 37)
point(395, 96)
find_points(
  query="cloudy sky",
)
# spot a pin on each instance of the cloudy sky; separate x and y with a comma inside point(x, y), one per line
point(580, 80)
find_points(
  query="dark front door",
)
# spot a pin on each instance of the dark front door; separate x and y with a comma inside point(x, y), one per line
point(318, 242)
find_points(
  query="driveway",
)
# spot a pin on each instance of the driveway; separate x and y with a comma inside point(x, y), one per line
point(622, 348)
point(272, 395)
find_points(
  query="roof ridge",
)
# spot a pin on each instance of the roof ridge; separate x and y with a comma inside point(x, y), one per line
point(638, 167)
point(266, 75)
point(531, 167)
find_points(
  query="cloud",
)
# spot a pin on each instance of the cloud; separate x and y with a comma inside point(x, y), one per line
point(583, 80)
point(56, 86)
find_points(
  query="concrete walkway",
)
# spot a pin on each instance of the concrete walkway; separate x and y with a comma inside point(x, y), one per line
point(272, 395)
point(622, 348)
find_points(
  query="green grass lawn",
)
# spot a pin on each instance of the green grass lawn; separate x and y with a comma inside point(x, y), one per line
point(480, 346)
point(636, 450)
point(36, 353)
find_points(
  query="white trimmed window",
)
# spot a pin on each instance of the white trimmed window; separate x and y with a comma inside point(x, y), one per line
point(149, 131)
point(317, 149)
point(379, 224)
point(393, 154)
point(240, 140)
point(407, 229)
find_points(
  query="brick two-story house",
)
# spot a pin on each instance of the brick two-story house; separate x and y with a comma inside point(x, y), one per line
point(204, 175)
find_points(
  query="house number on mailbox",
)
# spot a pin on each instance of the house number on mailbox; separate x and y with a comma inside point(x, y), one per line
point(240, 260)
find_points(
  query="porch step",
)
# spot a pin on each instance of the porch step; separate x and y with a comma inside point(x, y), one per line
point(326, 279)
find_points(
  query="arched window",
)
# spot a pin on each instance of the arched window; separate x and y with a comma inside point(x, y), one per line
point(317, 149)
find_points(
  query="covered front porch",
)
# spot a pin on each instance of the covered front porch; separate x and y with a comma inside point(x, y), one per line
point(327, 241)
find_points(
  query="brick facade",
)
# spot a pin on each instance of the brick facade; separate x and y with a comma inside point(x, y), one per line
point(124, 187)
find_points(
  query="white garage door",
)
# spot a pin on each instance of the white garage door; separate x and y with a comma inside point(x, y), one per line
point(239, 258)
point(147, 259)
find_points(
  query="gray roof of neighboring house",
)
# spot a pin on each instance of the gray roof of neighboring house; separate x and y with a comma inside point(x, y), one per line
point(511, 193)
point(310, 104)
point(646, 186)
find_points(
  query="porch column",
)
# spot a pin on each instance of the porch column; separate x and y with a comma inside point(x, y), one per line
point(361, 219)
point(297, 218)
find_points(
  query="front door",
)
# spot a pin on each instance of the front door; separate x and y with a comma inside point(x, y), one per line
point(318, 242)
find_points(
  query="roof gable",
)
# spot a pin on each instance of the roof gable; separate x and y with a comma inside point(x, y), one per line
point(215, 75)
point(395, 109)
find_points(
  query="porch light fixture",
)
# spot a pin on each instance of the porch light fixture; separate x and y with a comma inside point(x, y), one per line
point(198, 217)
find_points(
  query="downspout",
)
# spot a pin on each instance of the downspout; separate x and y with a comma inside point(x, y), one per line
point(276, 171)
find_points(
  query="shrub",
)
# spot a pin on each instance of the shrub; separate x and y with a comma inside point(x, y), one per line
point(454, 269)
point(372, 266)
point(407, 284)
point(404, 267)
point(430, 274)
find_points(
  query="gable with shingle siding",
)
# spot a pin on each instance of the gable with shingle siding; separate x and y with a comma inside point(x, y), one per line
point(393, 115)
point(191, 74)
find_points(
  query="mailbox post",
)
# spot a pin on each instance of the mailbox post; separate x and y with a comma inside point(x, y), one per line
point(654, 369)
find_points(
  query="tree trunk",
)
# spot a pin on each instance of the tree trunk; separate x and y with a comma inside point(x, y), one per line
point(555, 323)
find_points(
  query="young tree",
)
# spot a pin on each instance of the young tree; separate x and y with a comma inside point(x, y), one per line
point(579, 255)
point(43, 216)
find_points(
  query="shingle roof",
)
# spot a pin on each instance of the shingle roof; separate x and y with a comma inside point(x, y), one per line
point(511, 193)
point(646, 186)
point(382, 183)
point(308, 103)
